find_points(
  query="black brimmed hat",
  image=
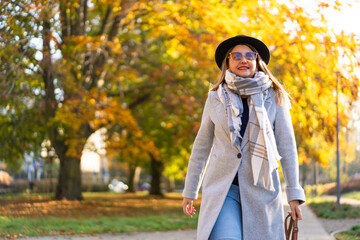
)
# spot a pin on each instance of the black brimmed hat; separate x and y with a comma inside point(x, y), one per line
point(225, 46)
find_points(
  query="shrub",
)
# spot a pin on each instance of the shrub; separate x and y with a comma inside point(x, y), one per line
point(328, 209)
point(345, 187)
point(35, 186)
point(319, 189)
point(331, 188)
point(353, 233)
point(43, 186)
point(94, 187)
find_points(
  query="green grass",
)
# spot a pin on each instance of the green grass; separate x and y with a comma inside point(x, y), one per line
point(353, 195)
point(39, 214)
point(11, 227)
point(328, 209)
point(352, 234)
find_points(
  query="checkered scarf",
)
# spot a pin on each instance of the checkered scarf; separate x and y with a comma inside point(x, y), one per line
point(263, 149)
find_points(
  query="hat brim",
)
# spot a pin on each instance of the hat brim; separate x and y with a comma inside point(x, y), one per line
point(226, 45)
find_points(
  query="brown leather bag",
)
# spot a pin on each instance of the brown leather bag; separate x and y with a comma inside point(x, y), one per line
point(291, 228)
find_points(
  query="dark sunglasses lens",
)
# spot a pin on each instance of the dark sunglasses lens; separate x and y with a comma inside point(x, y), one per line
point(236, 55)
point(250, 55)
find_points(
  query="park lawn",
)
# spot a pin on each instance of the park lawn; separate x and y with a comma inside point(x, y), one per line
point(38, 215)
point(353, 195)
point(352, 234)
point(327, 209)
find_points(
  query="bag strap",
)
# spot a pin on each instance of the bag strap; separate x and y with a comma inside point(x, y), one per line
point(292, 229)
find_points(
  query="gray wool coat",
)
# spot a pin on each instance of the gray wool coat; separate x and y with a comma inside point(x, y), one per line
point(214, 163)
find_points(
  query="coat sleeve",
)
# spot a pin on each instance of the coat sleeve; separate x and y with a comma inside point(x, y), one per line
point(200, 152)
point(285, 140)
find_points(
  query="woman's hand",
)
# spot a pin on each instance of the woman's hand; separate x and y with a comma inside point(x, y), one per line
point(188, 207)
point(295, 209)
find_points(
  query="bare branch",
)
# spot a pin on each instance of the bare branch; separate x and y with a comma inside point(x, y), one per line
point(105, 20)
point(65, 30)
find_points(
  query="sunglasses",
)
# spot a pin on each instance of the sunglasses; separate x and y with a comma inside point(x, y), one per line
point(238, 55)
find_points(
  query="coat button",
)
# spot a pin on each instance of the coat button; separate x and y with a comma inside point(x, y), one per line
point(239, 155)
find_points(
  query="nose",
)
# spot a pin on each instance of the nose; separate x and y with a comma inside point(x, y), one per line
point(243, 59)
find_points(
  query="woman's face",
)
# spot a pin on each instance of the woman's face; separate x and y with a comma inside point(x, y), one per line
point(245, 66)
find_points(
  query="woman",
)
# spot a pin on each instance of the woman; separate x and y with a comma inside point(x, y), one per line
point(245, 129)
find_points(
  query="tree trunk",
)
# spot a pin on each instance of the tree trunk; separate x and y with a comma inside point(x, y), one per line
point(156, 171)
point(130, 182)
point(51, 175)
point(315, 172)
point(304, 173)
point(170, 184)
point(137, 176)
point(133, 178)
point(69, 185)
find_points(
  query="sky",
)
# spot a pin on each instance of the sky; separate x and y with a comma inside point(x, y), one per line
point(347, 19)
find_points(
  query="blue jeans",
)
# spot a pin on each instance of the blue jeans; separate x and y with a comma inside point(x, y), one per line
point(228, 223)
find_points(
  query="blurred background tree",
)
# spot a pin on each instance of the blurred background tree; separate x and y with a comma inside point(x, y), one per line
point(142, 69)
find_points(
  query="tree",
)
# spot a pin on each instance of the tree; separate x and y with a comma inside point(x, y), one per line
point(141, 69)
point(19, 91)
point(71, 78)
point(172, 87)
point(306, 55)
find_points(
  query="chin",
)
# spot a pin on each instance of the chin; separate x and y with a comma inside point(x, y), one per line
point(244, 75)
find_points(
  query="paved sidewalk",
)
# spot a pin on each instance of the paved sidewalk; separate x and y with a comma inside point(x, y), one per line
point(309, 229)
